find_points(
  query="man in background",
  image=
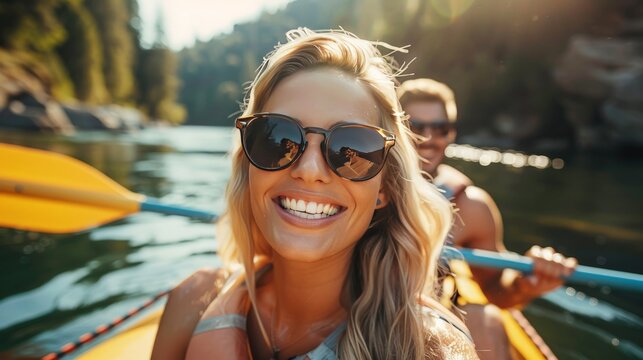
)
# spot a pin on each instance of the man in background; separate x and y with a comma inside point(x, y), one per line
point(432, 115)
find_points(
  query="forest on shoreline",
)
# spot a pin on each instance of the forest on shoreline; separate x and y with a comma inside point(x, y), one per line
point(522, 70)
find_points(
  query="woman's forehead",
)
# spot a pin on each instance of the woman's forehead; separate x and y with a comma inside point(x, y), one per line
point(323, 96)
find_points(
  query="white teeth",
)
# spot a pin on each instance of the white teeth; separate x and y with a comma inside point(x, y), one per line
point(308, 210)
point(311, 207)
point(320, 208)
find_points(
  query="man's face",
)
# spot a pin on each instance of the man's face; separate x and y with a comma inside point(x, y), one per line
point(429, 119)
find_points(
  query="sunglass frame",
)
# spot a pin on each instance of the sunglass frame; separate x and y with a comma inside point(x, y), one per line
point(243, 122)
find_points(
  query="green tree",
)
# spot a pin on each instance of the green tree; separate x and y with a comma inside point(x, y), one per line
point(30, 31)
point(497, 55)
point(213, 73)
point(30, 25)
point(134, 27)
point(82, 54)
point(158, 81)
point(112, 21)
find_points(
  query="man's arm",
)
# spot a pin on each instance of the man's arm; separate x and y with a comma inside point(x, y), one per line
point(479, 226)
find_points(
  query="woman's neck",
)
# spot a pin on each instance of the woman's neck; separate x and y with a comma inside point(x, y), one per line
point(309, 291)
point(301, 302)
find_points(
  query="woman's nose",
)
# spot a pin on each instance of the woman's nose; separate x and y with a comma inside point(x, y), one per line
point(311, 165)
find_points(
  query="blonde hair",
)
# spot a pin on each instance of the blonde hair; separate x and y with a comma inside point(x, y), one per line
point(428, 90)
point(395, 260)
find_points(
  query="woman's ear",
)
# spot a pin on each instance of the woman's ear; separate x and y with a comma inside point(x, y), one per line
point(382, 200)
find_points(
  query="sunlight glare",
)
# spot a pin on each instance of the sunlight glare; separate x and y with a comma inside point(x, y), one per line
point(451, 9)
point(189, 20)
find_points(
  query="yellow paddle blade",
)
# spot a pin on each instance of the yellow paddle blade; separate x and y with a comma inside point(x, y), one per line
point(48, 192)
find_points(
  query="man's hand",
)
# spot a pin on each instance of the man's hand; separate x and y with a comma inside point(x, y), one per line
point(550, 269)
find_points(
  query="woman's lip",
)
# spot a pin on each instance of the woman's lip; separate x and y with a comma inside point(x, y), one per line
point(297, 221)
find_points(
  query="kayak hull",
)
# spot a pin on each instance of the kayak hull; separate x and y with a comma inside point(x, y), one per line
point(136, 342)
point(524, 340)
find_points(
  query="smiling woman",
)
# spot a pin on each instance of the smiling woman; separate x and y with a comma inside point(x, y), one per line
point(318, 97)
point(329, 263)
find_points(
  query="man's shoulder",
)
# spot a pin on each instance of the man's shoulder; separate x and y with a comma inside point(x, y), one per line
point(474, 197)
point(452, 179)
point(479, 222)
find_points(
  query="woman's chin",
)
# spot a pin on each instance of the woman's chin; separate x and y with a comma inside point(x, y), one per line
point(303, 249)
point(300, 252)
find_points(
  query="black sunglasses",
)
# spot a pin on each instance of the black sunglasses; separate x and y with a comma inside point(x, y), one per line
point(439, 127)
point(353, 151)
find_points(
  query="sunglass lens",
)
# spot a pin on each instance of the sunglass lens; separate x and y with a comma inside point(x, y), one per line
point(271, 142)
point(356, 153)
point(442, 129)
point(416, 126)
point(438, 128)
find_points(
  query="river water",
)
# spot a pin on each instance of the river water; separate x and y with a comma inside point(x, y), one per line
point(54, 288)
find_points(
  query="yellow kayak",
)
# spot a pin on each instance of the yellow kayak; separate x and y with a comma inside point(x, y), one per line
point(525, 341)
point(135, 342)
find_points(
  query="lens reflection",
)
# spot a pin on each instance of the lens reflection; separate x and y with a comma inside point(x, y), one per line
point(272, 142)
point(356, 152)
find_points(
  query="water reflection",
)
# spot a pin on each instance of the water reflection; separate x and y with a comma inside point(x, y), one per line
point(590, 208)
point(485, 157)
point(55, 288)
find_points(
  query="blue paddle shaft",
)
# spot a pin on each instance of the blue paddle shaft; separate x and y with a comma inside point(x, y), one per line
point(582, 274)
point(475, 257)
point(155, 206)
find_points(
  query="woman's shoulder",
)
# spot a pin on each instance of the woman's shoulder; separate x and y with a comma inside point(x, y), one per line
point(185, 305)
point(451, 332)
point(194, 304)
point(205, 281)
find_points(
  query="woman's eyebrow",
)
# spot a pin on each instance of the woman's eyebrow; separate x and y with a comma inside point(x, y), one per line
point(352, 121)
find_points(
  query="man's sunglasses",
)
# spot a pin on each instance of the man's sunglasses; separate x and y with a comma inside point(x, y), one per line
point(438, 128)
point(353, 151)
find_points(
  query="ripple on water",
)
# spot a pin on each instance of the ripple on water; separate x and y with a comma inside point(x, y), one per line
point(574, 302)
